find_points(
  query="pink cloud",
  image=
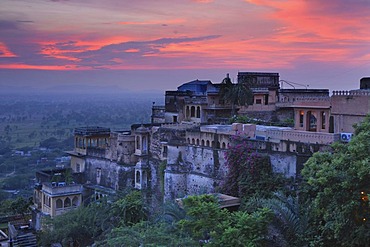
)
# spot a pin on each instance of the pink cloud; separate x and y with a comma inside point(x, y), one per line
point(5, 52)
point(203, 1)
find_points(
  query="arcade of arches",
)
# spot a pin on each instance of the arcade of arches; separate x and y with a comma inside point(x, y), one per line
point(315, 120)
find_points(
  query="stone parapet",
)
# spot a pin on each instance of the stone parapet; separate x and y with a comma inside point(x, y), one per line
point(301, 136)
point(352, 93)
point(61, 189)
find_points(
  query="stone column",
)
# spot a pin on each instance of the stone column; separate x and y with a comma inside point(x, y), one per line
point(327, 122)
point(305, 120)
point(296, 119)
point(318, 121)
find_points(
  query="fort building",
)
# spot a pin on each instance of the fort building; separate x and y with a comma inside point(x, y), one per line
point(182, 150)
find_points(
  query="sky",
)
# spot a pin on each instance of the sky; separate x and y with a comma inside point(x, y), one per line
point(156, 45)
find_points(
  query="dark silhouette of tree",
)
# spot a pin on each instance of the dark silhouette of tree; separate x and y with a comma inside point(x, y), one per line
point(238, 94)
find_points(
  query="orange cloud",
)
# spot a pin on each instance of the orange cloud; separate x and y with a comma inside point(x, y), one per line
point(58, 54)
point(41, 67)
point(203, 1)
point(153, 22)
point(132, 50)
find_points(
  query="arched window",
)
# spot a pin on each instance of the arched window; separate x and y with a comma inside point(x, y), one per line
point(137, 142)
point(137, 177)
point(67, 202)
point(223, 145)
point(311, 121)
point(75, 201)
point(218, 144)
point(59, 203)
point(193, 141)
point(207, 143)
point(192, 111)
point(202, 142)
point(198, 112)
point(197, 142)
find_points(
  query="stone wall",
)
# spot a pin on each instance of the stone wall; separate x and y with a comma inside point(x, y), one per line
point(284, 163)
point(108, 173)
point(192, 170)
point(156, 182)
point(346, 111)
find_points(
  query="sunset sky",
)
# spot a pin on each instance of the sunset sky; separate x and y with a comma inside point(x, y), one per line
point(156, 45)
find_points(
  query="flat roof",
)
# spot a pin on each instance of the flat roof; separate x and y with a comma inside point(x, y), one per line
point(311, 106)
point(90, 131)
point(215, 127)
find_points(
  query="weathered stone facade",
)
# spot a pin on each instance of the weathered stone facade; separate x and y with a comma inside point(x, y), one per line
point(193, 169)
point(108, 173)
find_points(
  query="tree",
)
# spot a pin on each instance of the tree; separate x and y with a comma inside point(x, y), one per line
point(243, 229)
point(84, 225)
point(130, 209)
point(236, 94)
point(290, 217)
point(337, 185)
point(79, 227)
point(147, 234)
point(203, 215)
point(208, 223)
point(15, 206)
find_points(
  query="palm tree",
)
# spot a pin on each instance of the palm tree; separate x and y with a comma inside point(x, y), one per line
point(172, 212)
point(290, 217)
point(237, 94)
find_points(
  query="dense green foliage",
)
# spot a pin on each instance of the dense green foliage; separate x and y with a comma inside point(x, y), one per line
point(85, 225)
point(130, 209)
point(202, 220)
point(203, 216)
point(79, 227)
point(148, 234)
point(290, 217)
point(15, 206)
point(337, 185)
point(208, 223)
